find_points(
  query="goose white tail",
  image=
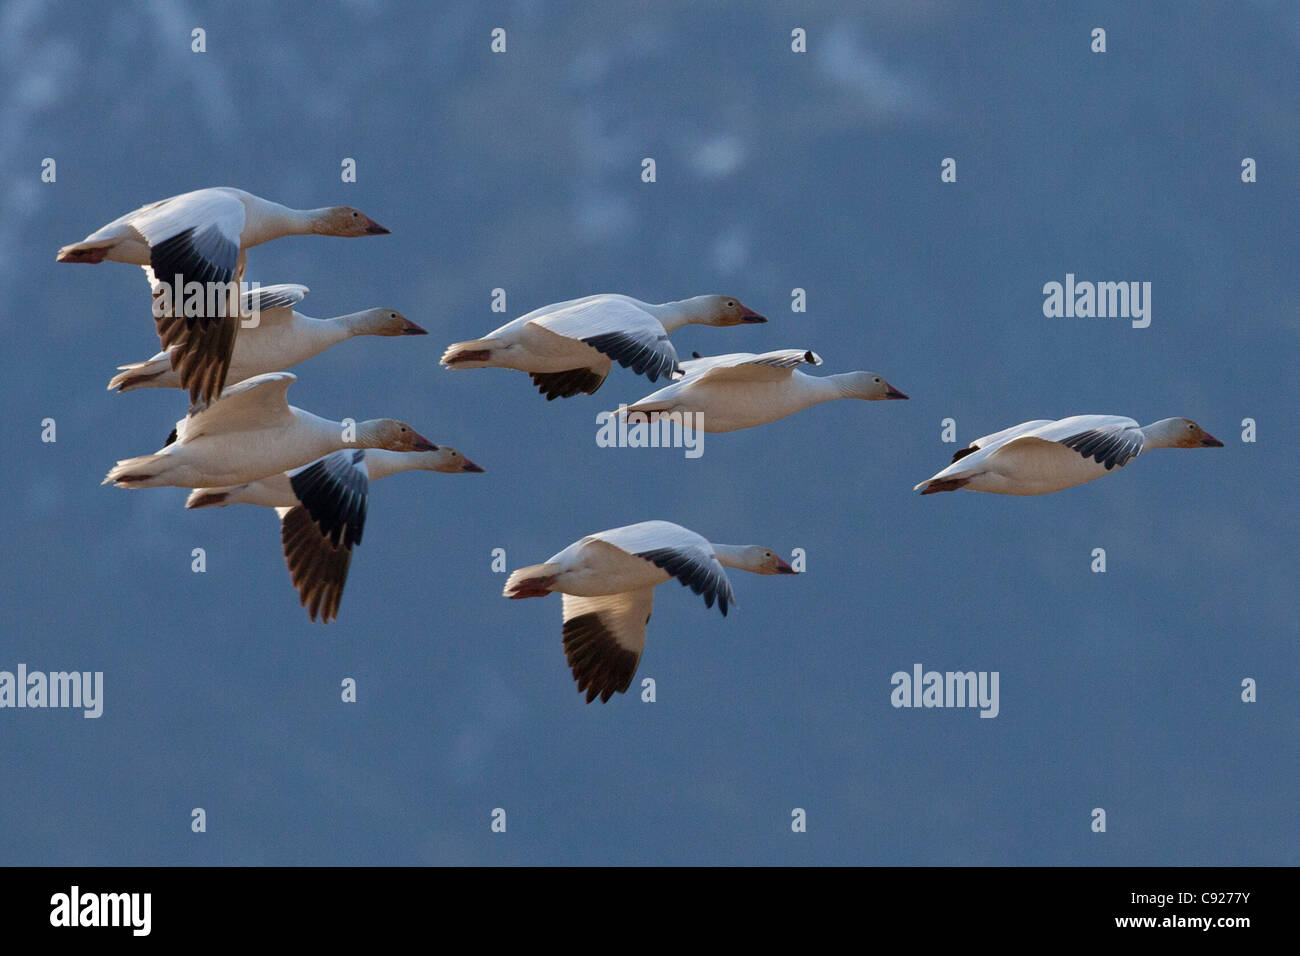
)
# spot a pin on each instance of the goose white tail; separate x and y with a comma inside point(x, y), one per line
point(932, 486)
point(472, 354)
point(207, 498)
point(532, 581)
point(137, 375)
point(651, 410)
point(133, 472)
point(95, 251)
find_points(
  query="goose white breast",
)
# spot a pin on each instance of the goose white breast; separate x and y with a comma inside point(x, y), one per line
point(278, 339)
point(251, 432)
point(743, 390)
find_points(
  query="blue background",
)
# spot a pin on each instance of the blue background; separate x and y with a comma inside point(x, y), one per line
point(775, 170)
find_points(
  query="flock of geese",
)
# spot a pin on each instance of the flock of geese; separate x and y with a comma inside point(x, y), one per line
point(246, 444)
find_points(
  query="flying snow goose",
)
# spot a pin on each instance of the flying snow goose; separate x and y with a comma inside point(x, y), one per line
point(250, 432)
point(567, 347)
point(742, 390)
point(281, 338)
point(322, 509)
point(608, 581)
point(1040, 457)
point(202, 236)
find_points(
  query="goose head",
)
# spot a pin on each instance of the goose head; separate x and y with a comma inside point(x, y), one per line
point(725, 310)
point(756, 559)
point(869, 386)
point(447, 460)
point(1180, 433)
point(384, 322)
point(392, 435)
point(346, 221)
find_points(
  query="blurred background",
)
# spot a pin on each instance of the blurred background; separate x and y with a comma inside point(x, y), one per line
point(775, 171)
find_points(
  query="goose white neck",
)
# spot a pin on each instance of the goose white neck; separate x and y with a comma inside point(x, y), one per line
point(674, 315)
point(308, 221)
point(297, 222)
point(380, 462)
point(827, 388)
point(369, 434)
point(365, 322)
point(276, 220)
point(734, 556)
point(1165, 433)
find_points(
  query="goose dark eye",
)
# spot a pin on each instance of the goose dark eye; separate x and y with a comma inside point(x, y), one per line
point(731, 305)
point(877, 381)
point(392, 315)
point(355, 214)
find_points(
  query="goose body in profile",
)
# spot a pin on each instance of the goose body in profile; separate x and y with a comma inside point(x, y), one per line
point(202, 237)
point(608, 581)
point(744, 390)
point(322, 510)
point(569, 347)
point(1044, 456)
point(280, 339)
point(251, 432)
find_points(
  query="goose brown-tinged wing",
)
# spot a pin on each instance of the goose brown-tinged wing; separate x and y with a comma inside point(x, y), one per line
point(603, 640)
point(319, 534)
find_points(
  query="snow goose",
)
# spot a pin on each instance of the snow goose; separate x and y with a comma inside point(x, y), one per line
point(742, 390)
point(281, 338)
point(250, 432)
point(322, 509)
point(567, 347)
point(202, 237)
point(1040, 457)
point(608, 581)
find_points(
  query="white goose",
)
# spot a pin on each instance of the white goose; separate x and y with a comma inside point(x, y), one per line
point(202, 237)
point(250, 432)
point(608, 581)
point(742, 390)
point(322, 509)
point(567, 347)
point(1040, 457)
point(280, 339)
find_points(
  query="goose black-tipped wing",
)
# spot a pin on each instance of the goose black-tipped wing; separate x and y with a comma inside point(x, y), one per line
point(333, 490)
point(196, 238)
point(696, 570)
point(319, 533)
point(643, 352)
point(198, 254)
point(201, 333)
point(1113, 447)
point(750, 367)
point(266, 298)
